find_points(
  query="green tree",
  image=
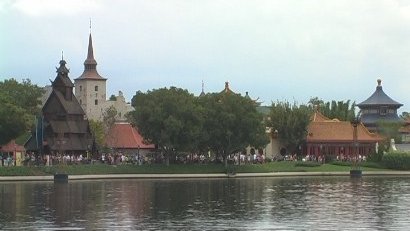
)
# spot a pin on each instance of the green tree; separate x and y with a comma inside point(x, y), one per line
point(390, 130)
point(290, 121)
point(341, 110)
point(98, 131)
point(109, 118)
point(170, 118)
point(113, 98)
point(20, 102)
point(405, 115)
point(232, 123)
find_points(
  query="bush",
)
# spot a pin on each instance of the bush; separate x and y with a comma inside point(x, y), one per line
point(370, 164)
point(341, 163)
point(307, 164)
point(397, 160)
point(376, 156)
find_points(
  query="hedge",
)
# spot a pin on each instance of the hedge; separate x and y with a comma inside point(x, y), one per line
point(397, 160)
point(307, 164)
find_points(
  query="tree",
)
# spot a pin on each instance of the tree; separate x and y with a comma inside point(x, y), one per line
point(170, 118)
point(112, 98)
point(232, 123)
point(109, 118)
point(290, 121)
point(341, 110)
point(98, 131)
point(390, 130)
point(405, 115)
point(19, 105)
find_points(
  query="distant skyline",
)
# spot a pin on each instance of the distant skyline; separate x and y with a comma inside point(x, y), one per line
point(275, 50)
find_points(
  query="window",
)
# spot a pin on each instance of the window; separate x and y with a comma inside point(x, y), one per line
point(96, 88)
point(383, 110)
point(81, 88)
point(96, 102)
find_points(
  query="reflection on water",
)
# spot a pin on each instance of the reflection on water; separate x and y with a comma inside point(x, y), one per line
point(307, 203)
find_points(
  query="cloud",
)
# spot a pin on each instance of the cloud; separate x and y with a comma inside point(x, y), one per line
point(48, 8)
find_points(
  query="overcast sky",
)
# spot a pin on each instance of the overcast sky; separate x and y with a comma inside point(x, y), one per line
point(275, 50)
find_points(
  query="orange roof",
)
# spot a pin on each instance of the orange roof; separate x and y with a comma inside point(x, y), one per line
point(124, 135)
point(11, 147)
point(318, 117)
point(325, 130)
point(405, 128)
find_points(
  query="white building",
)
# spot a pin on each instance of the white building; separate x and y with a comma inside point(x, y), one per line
point(91, 91)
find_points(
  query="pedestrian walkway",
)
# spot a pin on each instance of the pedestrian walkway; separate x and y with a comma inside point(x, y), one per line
point(214, 175)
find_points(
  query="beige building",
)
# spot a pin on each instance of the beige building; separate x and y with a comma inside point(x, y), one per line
point(91, 91)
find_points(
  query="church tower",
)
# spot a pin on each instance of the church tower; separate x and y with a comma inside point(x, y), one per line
point(90, 87)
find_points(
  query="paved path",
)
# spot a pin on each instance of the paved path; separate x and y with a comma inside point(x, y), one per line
point(217, 175)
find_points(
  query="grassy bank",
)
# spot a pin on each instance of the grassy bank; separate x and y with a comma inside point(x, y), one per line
point(284, 166)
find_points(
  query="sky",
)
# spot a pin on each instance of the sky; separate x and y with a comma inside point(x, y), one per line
point(275, 50)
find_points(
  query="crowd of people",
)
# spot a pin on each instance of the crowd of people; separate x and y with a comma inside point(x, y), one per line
point(116, 158)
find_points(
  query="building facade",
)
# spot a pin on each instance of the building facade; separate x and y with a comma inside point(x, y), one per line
point(338, 139)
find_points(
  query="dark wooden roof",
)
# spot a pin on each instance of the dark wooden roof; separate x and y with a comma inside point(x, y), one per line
point(379, 98)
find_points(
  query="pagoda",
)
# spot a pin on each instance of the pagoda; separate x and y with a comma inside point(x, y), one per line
point(378, 107)
point(62, 127)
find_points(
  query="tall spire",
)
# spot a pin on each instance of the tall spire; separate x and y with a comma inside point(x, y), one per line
point(203, 90)
point(90, 65)
point(90, 62)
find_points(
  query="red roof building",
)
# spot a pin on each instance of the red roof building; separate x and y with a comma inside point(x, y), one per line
point(125, 138)
point(12, 147)
point(336, 138)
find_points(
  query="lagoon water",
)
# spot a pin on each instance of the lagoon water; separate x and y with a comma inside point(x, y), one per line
point(303, 203)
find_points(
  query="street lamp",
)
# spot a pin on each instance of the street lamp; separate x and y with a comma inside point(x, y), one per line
point(355, 171)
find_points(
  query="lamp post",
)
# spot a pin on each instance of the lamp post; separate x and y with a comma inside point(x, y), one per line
point(355, 171)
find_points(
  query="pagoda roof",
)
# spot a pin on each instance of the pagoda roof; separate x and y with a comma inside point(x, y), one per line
point(322, 129)
point(379, 98)
point(318, 117)
point(124, 135)
point(227, 89)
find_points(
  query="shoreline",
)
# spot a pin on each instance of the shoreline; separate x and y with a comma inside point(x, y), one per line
point(197, 176)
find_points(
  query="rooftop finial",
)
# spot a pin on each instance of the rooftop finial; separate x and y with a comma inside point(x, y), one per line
point(90, 25)
point(62, 55)
point(379, 82)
